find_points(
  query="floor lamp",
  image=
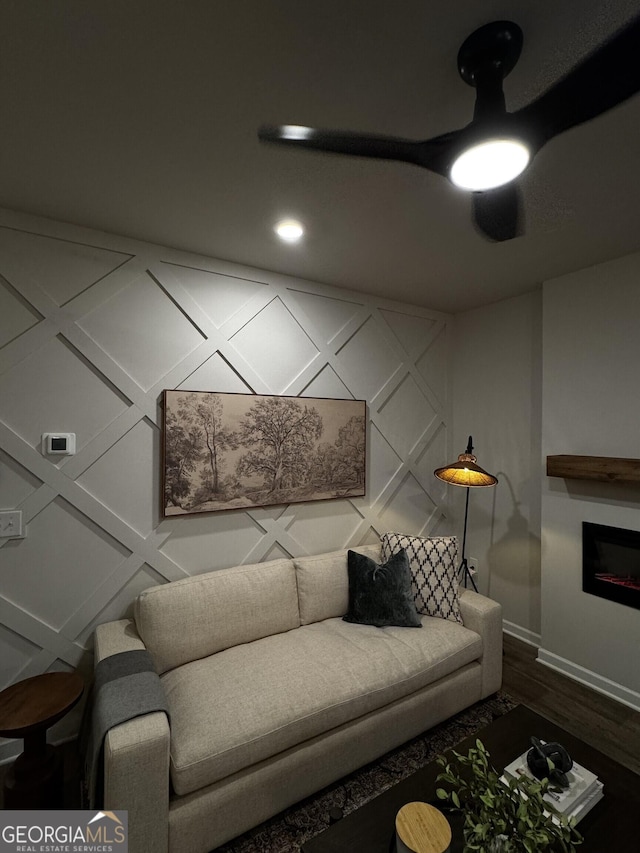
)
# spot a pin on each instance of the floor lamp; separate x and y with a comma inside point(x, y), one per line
point(466, 473)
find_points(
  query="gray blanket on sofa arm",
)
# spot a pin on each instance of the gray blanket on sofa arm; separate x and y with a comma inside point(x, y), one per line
point(125, 686)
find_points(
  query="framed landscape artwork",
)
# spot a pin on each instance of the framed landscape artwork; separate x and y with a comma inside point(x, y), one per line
point(236, 451)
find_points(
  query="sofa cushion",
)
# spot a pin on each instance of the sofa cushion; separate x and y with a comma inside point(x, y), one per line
point(434, 568)
point(380, 594)
point(248, 703)
point(198, 616)
point(323, 583)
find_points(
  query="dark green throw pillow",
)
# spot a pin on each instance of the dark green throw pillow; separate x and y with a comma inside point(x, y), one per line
point(381, 595)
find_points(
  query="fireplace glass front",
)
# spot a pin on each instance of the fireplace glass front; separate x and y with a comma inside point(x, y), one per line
point(611, 563)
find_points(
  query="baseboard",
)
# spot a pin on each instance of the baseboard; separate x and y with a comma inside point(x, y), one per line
point(591, 679)
point(520, 633)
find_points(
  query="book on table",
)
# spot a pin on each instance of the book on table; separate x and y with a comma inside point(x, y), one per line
point(585, 806)
point(583, 792)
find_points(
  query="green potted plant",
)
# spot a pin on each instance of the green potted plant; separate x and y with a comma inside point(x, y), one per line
point(502, 816)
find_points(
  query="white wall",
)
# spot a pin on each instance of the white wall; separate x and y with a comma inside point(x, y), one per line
point(591, 406)
point(551, 372)
point(496, 399)
point(92, 328)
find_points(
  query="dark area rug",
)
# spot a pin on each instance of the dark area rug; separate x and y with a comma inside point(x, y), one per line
point(287, 831)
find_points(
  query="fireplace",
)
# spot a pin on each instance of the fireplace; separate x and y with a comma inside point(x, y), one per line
point(611, 563)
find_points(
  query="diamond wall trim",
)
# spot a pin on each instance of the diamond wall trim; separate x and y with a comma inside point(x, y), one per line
point(315, 355)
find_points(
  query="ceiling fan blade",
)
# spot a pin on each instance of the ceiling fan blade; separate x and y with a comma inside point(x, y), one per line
point(606, 78)
point(497, 214)
point(432, 154)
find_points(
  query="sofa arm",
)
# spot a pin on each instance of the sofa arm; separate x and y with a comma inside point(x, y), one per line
point(484, 616)
point(136, 757)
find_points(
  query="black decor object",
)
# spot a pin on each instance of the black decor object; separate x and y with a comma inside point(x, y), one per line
point(601, 81)
point(381, 595)
point(538, 759)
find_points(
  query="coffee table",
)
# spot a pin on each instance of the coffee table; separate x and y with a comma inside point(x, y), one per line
point(613, 824)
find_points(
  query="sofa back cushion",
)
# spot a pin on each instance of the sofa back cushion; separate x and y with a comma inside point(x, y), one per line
point(192, 618)
point(323, 583)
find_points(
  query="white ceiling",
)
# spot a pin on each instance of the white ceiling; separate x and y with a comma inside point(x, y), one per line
point(140, 118)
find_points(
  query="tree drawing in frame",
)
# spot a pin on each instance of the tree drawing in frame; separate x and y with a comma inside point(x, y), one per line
point(234, 451)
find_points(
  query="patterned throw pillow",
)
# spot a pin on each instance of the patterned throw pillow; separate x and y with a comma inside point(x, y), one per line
point(434, 570)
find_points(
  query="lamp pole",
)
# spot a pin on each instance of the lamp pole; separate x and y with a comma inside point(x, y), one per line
point(464, 566)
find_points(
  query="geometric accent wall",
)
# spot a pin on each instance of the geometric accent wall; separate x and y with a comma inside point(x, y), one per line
point(93, 328)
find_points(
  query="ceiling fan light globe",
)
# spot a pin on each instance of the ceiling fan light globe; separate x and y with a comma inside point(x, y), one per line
point(489, 164)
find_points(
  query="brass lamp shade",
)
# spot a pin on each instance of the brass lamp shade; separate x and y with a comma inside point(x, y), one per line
point(465, 472)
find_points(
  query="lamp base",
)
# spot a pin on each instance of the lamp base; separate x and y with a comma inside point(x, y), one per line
point(465, 574)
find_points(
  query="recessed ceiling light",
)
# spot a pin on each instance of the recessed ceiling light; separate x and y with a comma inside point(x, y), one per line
point(289, 230)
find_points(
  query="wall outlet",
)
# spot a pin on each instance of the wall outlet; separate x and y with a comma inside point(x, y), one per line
point(472, 562)
point(11, 524)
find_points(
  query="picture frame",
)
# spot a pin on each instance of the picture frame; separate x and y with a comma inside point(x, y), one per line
point(225, 451)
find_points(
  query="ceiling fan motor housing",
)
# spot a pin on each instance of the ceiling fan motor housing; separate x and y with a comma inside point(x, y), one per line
point(495, 46)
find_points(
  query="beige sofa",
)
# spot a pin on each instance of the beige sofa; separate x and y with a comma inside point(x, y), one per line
point(273, 696)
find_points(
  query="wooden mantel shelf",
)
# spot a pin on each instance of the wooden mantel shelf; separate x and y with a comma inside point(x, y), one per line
point(607, 469)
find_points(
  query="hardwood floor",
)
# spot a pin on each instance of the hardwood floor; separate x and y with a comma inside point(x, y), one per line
point(607, 725)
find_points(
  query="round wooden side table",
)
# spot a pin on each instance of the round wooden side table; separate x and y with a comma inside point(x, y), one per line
point(27, 710)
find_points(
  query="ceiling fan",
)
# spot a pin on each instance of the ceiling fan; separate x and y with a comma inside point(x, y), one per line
point(488, 154)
